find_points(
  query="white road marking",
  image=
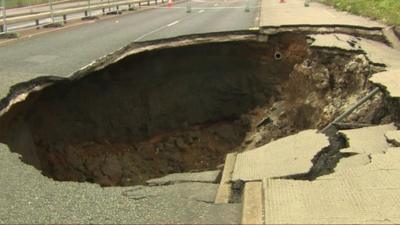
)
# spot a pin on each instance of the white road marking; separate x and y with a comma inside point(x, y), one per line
point(173, 23)
point(201, 11)
point(218, 8)
point(151, 32)
point(216, 4)
point(156, 30)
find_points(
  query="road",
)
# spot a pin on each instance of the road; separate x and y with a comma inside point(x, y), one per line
point(45, 7)
point(63, 52)
point(41, 200)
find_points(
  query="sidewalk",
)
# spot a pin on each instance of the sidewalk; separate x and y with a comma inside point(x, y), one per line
point(293, 12)
point(364, 188)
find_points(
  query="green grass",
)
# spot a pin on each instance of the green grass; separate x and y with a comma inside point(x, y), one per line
point(21, 3)
point(387, 11)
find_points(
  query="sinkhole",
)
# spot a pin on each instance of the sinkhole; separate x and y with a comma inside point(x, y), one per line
point(183, 107)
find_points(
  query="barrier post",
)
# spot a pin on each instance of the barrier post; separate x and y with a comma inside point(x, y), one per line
point(51, 10)
point(189, 6)
point(3, 6)
point(247, 9)
point(30, 7)
point(89, 9)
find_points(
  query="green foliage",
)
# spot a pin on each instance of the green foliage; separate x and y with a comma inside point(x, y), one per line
point(21, 3)
point(386, 10)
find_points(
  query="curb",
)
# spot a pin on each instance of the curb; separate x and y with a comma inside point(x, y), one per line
point(252, 211)
point(224, 189)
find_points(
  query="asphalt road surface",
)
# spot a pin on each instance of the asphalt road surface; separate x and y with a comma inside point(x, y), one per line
point(63, 52)
point(30, 197)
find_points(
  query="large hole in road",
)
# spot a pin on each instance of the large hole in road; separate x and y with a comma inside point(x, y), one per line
point(182, 109)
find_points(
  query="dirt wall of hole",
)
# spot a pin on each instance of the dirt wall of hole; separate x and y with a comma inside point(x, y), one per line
point(151, 114)
point(182, 109)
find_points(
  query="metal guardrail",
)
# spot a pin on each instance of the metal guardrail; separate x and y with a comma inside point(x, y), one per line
point(51, 14)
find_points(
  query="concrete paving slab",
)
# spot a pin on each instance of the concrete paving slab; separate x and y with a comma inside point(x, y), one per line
point(287, 156)
point(205, 177)
point(393, 137)
point(253, 203)
point(293, 12)
point(363, 195)
point(376, 52)
point(368, 140)
point(353, 162)
point(388, 161)
point(390, 80)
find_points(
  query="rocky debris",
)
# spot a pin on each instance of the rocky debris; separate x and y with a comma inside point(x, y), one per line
point(194, 149)
point(203, 177)
point(186, 114)
point(320, 88)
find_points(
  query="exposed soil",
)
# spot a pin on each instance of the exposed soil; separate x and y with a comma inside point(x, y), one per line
point(182, 109)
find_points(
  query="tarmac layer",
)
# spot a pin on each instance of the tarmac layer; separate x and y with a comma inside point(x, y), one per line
point(32, 198)
point(29, 197)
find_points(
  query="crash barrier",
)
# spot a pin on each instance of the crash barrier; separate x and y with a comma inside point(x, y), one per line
point(108, 7)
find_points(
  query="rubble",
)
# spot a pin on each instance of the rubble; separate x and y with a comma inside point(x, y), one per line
point(149, 110)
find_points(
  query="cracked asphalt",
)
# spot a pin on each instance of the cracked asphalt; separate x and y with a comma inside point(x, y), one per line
point(29, 197)
point(63, 52)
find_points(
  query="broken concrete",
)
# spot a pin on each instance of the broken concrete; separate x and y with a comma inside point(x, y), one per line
point(70, 133)
point(203, 177)
point(390, 80)
point(376, 52)
point(287, 156)
point(362, 144)
point(164, 123)
point(393, 137)
point(362, 195)
point(353, 161)
point(368, 140)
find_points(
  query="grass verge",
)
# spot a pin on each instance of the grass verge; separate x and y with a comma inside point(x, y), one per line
point(387, 11)
point(22, 3)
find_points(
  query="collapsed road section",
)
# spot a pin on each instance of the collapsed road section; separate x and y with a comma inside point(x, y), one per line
point(180, 105)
